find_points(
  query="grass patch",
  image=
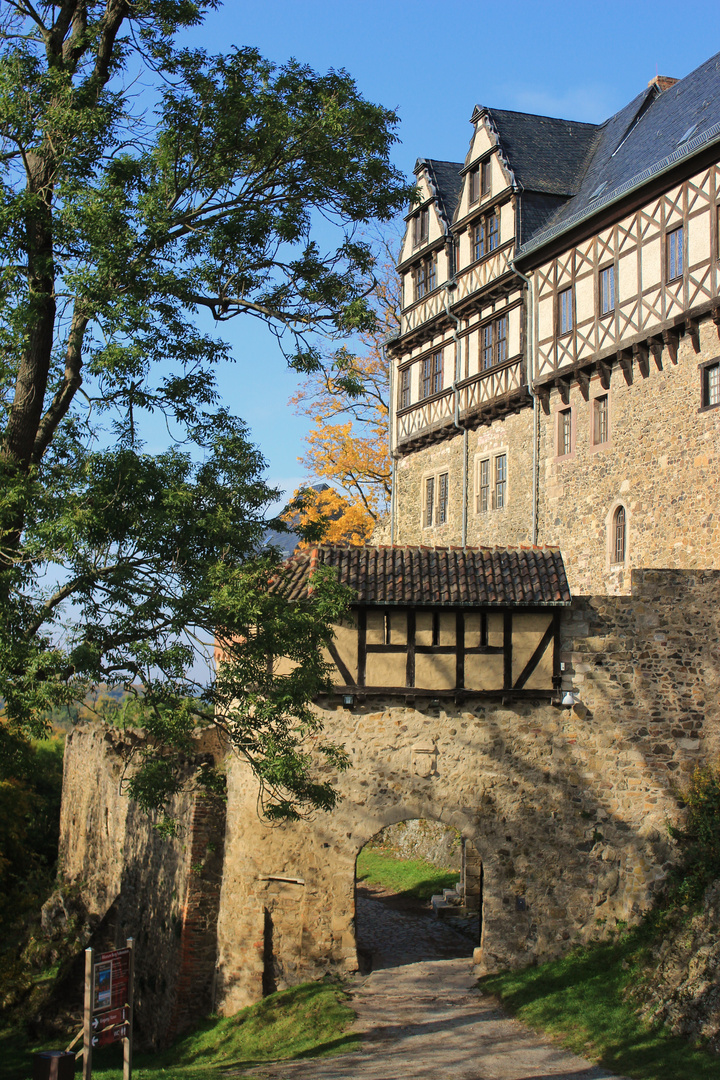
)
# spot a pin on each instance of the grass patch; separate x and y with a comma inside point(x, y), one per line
point(306, 1021)
point(409, 877)
point(583, 1001)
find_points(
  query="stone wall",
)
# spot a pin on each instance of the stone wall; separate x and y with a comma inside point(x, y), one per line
point(133, 883)
point(511, 435)
point(662, 461)
point(422, 839)
point(567, 807)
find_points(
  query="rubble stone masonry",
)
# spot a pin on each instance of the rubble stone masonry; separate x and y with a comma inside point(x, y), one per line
point(661, 461)
point(566, 805)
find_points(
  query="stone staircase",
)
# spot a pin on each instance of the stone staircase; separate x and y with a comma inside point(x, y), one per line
point(449, 904)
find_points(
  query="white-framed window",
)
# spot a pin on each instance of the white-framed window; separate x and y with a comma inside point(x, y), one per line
point(491, 482)
point(674, 260)
point(606, 290)
point(565, 321)
point(436, 499)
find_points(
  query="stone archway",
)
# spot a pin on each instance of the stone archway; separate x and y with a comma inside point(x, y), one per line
point(418, 895)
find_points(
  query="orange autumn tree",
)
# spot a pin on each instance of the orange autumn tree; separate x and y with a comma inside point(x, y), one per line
point(347, 456)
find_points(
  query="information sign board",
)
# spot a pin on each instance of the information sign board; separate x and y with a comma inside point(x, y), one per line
point(108, 1005)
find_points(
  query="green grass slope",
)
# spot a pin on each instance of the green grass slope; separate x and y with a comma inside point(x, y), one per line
point(410, 877)
point(306, 1021)
point(584, 1001)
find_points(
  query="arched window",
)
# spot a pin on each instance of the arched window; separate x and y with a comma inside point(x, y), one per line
point(619, 535)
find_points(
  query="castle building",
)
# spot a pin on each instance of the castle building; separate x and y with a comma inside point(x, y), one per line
point(556, 378)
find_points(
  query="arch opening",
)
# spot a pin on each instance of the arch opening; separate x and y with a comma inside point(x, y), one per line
point(418, 895)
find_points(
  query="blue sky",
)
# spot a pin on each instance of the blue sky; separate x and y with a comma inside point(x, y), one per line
point(433, 63)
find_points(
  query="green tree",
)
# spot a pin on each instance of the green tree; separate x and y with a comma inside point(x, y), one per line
point(140, 183)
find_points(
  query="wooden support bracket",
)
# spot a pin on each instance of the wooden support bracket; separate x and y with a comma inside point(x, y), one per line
point(716, 317)
point(604, 371)
point(692, 328)
point(655, 346)
point(625, 360)
point(543, 393)
point(670, 337)
point(640, 352)
point(563, 387)
point(583, 378)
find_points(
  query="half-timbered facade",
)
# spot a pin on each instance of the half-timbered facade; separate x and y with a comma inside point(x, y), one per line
point(471, 623)
point(559, 382)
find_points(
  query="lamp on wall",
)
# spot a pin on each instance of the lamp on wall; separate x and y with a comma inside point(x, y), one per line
point(348, 700)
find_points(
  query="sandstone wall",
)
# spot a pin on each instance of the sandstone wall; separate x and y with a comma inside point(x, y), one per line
point(133, 883)
point(512, 436)
point(566, 806)
point(662, 461)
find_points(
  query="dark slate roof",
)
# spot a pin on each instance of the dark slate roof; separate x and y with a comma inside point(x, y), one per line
point(484, 576)
point(641, 141)
point(446, 179)
point(545, 154)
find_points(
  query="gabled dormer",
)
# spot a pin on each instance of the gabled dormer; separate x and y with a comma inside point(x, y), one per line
point(426, 259)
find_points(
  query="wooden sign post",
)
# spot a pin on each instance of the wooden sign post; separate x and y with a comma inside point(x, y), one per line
point(108, 1004)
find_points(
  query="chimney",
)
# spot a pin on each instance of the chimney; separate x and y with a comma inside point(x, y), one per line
point(663, 82)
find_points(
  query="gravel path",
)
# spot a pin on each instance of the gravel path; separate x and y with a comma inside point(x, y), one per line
point(424, 1018)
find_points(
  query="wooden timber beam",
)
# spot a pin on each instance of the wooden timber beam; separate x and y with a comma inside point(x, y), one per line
point(670, 337)
point(640, 353)
point(625, 360)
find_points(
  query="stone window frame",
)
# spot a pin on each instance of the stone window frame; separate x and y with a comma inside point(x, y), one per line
point(491, 457)
point(599, 391)
point(610, 563)
point(704, 368)
point(435, 475)
point(558, 409)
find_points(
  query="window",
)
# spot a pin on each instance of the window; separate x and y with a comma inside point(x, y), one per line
point(493, 343)
point(442, 499)
point(483, 489)
point(607, 290)
point(710, 385)
point(474, 185)
point(485, 235)
point(500, 481)
point(479, 181)
point(564, 432)
point(432, 376)
point(429, 500)
point(601, 429)
point(425, 277)
point(565, 311)
point(420, 227)
point(500, 339)
point(674, 254)
point(435, 506)
point(404, 389)
point(485, 177)
point(618, 537)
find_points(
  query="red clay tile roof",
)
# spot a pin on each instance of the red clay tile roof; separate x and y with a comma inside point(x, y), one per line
point(455, 576)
